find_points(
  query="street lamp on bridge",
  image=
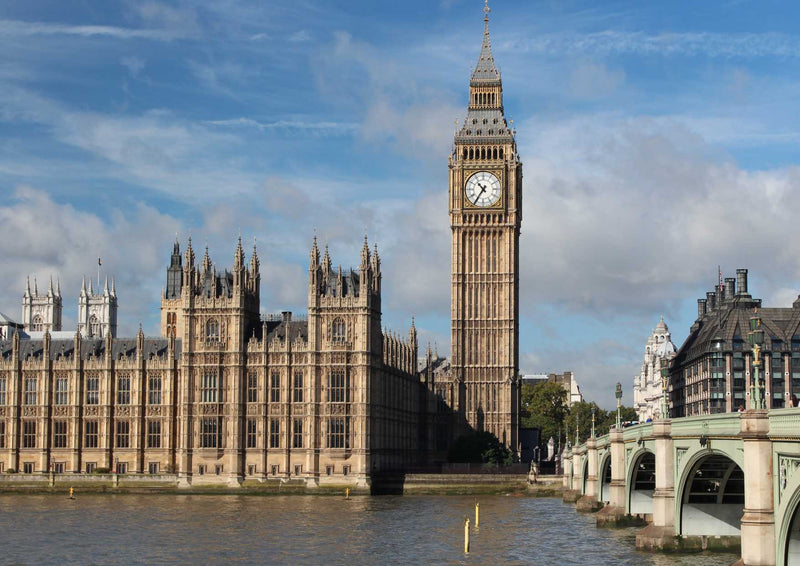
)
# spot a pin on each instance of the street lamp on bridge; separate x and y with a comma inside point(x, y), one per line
point(594, 410)
point(756, 339)
point(618, 395)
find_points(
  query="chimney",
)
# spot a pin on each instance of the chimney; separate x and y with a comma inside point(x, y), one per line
point(286, 316)
point(701, 308)
point(711, 301)
point(720, 292)
point(741, 281)
point(730, 288)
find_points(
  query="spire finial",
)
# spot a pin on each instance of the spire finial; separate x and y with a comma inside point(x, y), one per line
point(486, 10)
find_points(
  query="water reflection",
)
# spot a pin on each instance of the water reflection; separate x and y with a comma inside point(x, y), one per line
point(157, 529)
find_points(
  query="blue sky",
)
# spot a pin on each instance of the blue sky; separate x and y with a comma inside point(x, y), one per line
point(659, 140)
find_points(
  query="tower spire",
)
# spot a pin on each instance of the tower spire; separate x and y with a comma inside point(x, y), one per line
point(485, 70)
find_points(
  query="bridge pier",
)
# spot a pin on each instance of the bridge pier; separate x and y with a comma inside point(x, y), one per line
point(758, 521)
point(590, 502)
point(573, 491)
point(613, 514)
point(660, 535)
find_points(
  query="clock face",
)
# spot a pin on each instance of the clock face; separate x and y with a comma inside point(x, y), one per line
point(483, 189)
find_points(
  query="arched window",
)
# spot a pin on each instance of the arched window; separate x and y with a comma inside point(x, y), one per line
point(94, 326)
point(494, 153)
point(483, 153)
point(212, 330)
point(471, 154)
point(465, 153)
point(338, 330)
point(501, 153)
point(37, 324)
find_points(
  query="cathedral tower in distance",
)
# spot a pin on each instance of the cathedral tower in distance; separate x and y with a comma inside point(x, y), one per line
point(485, 201)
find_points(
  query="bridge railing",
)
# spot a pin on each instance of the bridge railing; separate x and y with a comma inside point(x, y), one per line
point(784, 424)
point(721, 424)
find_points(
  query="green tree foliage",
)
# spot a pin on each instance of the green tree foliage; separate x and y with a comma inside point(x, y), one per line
point(544, 406)
point(480, 447)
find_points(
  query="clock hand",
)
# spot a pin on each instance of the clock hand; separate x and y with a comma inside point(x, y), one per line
point(483, 190)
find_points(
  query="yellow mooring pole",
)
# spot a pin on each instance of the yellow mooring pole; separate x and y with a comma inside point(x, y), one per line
point(71, 493)
point(466, 535)
point(347, 493)
point(477, 514)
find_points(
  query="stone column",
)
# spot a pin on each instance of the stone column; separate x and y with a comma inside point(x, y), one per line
point(664, 495)
point(758, 521)
point(617, 491)
point(590, 500)
point(661, 534)
point(566, 460)
point(592, 485)
point(577, 469)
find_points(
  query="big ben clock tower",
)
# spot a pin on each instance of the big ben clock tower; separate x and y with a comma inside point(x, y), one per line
point(485, 200)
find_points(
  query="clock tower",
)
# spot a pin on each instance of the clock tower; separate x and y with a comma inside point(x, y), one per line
point(485, 201)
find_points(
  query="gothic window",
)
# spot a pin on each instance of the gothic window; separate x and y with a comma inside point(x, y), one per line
point(154, 390)
point(483, 150)
point(252, 433)
point(338, 386)
point(31, 385)
point(274, 433)
point(154, 434)
point(501, 151)
point(2, 434)
point(2, 390)
point(37, 324)
point(252, 387)
point(297, 387)
point(29, 434)
point(209, 387)
point(275, 388)
point(338, 330)
point(297, 433)
point(209, 433)
point(62, 391)
point(339, 432)
point(94, 326)
point(59, 434)
point(92, 390)
point(212, 330)
point(465, 153)
point(471, 153)
point(124, 390)
point(90, 434)
point(123, 436)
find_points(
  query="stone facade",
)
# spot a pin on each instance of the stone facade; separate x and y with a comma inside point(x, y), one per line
point(485, 203)
point(647, 386)
point(225, 394)
point(41, 312)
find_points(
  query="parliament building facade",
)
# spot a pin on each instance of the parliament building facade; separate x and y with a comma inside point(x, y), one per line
point(225, 394)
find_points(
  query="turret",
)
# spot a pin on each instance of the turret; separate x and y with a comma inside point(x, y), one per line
point(174, 273)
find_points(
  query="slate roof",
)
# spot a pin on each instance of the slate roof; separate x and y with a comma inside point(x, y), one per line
point(90, 347)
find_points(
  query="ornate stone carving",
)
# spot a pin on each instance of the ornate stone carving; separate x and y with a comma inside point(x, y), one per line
point(679, 454)
point(61, 411)
point(787, 466)
point(123, 411)
point(29, 411)
point(91, 411)
point(154, 410)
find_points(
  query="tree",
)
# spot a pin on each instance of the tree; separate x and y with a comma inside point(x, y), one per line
point(544, 406)
point(480, 447)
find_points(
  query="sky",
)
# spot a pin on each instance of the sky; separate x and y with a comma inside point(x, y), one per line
point(659, 141)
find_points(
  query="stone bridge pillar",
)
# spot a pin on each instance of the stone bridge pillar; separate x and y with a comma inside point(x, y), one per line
point(577, 469)
point(758, 521)
point(613, 514)
point(661, 534)
point(567, 464)
point(590, 501)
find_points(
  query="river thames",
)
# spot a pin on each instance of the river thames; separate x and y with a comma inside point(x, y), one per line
point(200, 529)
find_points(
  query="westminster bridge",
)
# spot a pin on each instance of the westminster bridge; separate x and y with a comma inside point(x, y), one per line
point(699, 482)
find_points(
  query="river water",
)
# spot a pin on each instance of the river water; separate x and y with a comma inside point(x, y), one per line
point(200, 529)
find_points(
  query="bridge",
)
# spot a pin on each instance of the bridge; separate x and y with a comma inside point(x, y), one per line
point(713, 481)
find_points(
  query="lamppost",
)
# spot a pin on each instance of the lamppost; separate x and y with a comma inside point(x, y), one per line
point(756, 339)
point(664, 379)
point(618, 395)
point(577, 429)
point(594, 410)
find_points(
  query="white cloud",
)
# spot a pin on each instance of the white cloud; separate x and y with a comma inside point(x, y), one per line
point(590, 79)
point(135, 65)
point(41, 237)
point(613, 42)
point(14, 28)
point(300, 36)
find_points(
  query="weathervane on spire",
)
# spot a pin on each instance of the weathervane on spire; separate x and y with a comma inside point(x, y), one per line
point(486, 10)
